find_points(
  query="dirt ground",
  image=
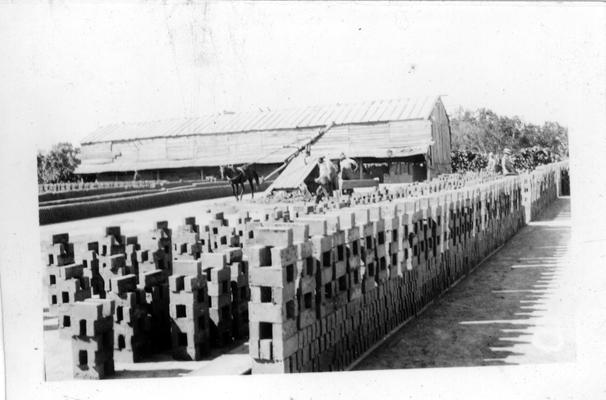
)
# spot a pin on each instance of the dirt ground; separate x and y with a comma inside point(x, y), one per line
point(513, 309)
point(58, 360)
point(131, 222)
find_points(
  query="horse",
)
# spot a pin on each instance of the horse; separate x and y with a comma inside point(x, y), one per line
point(327, 179)
point(238, 176)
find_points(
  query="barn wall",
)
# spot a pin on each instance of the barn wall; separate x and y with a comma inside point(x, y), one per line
point(96, 153)
point(440, 133)
point(374, 140)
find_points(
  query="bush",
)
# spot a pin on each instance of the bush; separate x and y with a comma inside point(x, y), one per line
point(529, 159)
point(59, 164)
point(524, 160)
point(463, 161)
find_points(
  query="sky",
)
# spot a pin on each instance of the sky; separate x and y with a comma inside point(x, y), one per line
point(74, 67)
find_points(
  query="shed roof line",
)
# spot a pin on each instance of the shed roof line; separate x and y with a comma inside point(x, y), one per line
point(292, 118)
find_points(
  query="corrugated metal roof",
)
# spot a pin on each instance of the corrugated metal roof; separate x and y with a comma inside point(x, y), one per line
point(317, 116)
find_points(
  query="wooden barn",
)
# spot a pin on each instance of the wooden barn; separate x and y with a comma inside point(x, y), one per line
point(400, 140)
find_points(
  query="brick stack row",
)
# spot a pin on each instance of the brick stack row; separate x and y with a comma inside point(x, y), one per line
point(273, 311)
point(92, 338)
point(410, 251)
point(189, 312)
point(132, 322)
point(66, 280)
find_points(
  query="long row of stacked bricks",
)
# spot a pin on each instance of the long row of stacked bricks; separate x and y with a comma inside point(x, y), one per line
point(373, 265)
point(312, 286)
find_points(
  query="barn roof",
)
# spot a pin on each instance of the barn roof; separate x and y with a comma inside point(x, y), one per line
point(307, 117)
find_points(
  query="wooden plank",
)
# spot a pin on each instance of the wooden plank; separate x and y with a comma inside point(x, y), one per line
point(360, 183)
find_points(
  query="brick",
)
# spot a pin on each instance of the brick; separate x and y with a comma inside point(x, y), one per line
point(282, 256)
point(187, 267)
point(274, 236)
point(123, 284)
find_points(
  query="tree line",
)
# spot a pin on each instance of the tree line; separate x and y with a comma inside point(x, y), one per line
point(477, 133)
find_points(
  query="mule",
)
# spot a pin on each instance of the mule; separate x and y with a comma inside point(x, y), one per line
point(238, 176)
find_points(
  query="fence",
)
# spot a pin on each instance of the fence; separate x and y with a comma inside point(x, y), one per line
point(71, 186)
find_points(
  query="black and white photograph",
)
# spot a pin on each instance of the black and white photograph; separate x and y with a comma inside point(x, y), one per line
point(303, 200)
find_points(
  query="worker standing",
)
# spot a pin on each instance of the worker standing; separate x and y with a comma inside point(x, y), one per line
point(348, 168)
point(492, 163)
point(507, 163)
point(327, 175)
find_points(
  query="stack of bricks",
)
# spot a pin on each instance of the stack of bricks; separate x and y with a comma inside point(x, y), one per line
point(541, 188)
point(186, 241)
point(323, 237)
point(240, 292)
point(347, 223)
point(218, 280)
point(393, 237)
point(112, 258)
point(154, 286)
point(132, 323)
point(88, 255)
point(379, 245)
point(306, 291)
point(368, 261)
point(92, 338)
point(218, 235)
point(340, 278)
point(131, 254)
point(190, 325)
point(154, 265)
point(156, 250)
point(66, 281)
point(240, 222)
point(274, 336)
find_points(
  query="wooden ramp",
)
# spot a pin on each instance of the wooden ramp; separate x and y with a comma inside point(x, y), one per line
point(294, 174)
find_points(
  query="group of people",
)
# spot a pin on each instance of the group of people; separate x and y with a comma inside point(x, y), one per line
point(330, 177)
point(505, 164)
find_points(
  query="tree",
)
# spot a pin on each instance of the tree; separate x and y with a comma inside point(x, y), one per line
point(59, 164)
point(484, 131)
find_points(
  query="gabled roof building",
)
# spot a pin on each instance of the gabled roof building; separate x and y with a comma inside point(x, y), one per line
point(404, 134)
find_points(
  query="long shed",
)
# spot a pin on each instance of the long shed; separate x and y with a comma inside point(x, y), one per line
point(408, 139)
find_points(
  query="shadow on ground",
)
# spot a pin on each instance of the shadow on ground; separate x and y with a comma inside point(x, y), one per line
point(507, 312)
point(155, 373)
